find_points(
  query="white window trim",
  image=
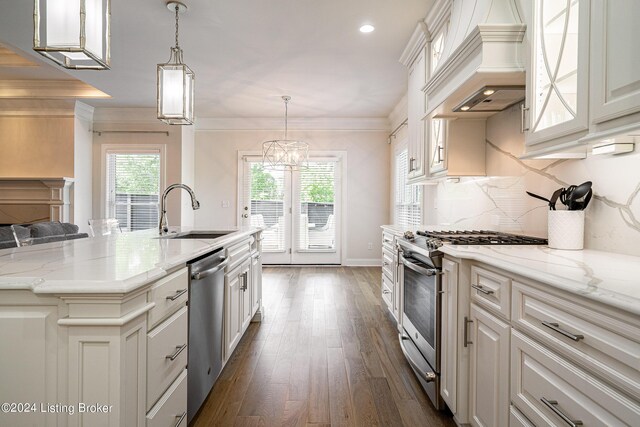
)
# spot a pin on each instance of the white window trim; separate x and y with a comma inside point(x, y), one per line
point(128, 148)
point(341, 157)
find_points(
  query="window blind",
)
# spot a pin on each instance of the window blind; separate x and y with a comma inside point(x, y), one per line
point(133, 189)
point(264, 196)
point(407, 198)
point(316, 210)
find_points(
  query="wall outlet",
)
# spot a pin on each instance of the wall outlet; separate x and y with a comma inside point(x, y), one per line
point(369, 246)
point(225, 203)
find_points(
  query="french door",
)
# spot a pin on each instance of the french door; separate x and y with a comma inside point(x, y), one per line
point(300, 210)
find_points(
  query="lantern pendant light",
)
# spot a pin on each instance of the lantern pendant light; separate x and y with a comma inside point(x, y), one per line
point(285, 154)
point(73, 33)
point(175, 82)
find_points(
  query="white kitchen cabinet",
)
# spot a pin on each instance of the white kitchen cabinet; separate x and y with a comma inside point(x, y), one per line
point(556, 51)
point(551, 391)
point(615, 60)
point(415, 113)
point(449, 342)
point(232, 311)
point(256, 282)
point(456, 147)
point(489, 369)
point(247, 301)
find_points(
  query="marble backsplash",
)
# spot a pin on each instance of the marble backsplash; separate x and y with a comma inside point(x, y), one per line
point(499, 202)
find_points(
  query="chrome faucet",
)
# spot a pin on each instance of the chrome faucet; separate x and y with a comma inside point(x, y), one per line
point(195, 204)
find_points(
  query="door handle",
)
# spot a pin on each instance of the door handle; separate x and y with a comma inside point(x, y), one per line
point(179, 349)
point(481, 288)
point(523, 109)
point(177, 295)
point(556, 327)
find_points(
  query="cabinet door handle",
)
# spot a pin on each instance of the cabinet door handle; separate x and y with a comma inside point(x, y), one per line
point(179, 349)
point(480, 288)
point(556, 327)
point(440, 151)
point(385, 263)
point(466, 331)
point(411, 168)
point(384, 291)
point(180, 418)
point(523, 110)
point(177, 295)
point(553, 405)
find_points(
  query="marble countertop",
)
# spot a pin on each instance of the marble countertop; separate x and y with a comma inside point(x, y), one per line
point(605, 277)
point(112, 264)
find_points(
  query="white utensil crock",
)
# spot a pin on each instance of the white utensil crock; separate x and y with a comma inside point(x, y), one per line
point(566, 230)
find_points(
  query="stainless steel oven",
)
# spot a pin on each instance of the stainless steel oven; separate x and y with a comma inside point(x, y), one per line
point(421, 318)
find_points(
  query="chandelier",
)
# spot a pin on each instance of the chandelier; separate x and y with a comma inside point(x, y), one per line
point(175, 82)
point(285, 154)
point(73, 33)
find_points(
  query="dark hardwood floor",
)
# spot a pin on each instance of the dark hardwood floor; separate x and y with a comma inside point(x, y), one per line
point(326, 354)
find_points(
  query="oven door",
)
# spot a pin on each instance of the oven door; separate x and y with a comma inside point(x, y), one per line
point(421, 309)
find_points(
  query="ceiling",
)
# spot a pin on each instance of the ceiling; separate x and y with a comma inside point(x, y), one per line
point(247, 53)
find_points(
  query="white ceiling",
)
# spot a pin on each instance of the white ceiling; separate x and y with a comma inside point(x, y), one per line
point(247, 53)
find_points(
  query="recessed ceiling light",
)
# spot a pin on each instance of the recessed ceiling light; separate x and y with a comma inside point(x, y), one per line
point(489, 92)
point(465, 107)
point(367, 28)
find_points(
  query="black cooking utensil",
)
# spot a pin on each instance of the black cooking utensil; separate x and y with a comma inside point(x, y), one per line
point(576, 194)
point(566, 192)
point(554, 199)
point(587, 199)
point(538, 197)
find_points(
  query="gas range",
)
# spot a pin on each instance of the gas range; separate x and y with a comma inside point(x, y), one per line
point(428, 242)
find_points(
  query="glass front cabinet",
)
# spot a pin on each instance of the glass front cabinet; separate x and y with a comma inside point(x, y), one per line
point(556, 49)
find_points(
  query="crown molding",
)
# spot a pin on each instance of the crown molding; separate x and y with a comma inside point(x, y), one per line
point(417, 41)
point(37, 108)
point(399, 113)
point(48, 89)
point(126, 115)
point(84, 111)
point(308, 124)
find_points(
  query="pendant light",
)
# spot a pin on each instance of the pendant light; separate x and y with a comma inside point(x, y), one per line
point(73, 33)
point(285, 154)
point(175, 82)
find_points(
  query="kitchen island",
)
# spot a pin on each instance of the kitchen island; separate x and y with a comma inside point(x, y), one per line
point(93, 331)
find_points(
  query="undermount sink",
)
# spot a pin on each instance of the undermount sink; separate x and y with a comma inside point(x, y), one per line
point(196, 235)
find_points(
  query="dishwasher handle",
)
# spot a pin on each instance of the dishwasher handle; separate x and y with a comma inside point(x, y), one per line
point(208, 272)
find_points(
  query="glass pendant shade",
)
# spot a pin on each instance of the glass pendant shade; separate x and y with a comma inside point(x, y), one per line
point(176, 81)
point(281, 154)
point(73, 33)
point(175, 91)
point(285, 154)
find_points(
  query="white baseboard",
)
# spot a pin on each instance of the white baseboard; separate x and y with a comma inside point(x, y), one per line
point(363, 262)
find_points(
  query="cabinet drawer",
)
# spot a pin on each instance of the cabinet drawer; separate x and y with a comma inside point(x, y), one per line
point(388, 266)
point(604, 345)
point(491, 290)
point(169, 294)
point(172, 406)
point(387, 291)
point(552, 391)
point(166, 354)
point(388, 241)
point(516, 419)
point(238, 253)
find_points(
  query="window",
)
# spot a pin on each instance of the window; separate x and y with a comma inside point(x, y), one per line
point(406, 197)
point(437, 47)
point(133, 187)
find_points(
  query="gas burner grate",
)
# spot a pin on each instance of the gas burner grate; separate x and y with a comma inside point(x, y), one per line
point(481, 237)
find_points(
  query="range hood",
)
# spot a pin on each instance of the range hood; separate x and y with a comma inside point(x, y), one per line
point(482, 52)
point(491, 99)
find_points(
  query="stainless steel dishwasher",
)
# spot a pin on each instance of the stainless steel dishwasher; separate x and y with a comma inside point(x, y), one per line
point(206, 308)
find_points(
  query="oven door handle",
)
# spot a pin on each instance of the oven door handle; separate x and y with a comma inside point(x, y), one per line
point(419, 269)
point(427, 376)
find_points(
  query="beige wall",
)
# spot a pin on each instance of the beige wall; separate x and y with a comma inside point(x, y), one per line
point(82, 190)
point(367, 180)
point(36, 146)
point(172, 158)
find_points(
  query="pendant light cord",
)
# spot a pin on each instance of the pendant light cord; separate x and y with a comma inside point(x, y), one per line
point(286, 117)
point(177, 20)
